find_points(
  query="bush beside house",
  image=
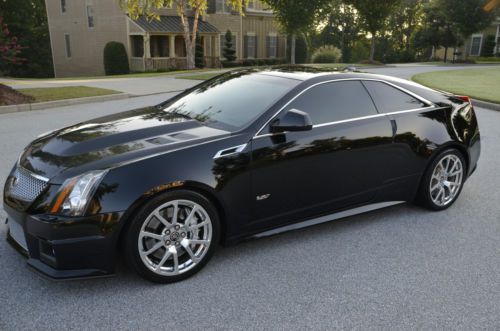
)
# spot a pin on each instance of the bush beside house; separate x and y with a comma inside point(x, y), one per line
point(115, 59)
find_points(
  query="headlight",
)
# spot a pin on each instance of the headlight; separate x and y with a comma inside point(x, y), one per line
point(75, 193)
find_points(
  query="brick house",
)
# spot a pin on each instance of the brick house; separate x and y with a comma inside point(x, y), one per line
point(79, 30)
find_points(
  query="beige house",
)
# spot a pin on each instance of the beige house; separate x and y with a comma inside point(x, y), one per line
point(474, 44)
point(79, 30)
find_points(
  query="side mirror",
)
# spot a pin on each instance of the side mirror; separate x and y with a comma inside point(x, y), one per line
point(293, 120)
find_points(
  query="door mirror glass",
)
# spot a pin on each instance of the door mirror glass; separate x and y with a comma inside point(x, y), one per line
point(292, 120)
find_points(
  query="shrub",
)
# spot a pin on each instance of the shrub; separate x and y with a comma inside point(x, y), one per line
point(360, 51)
point(374, 62)
point(115, 59)
point(326, 54)
point(228, 51)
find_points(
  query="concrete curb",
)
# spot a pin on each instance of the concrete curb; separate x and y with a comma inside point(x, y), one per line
point(61, 103)
point(487, 105)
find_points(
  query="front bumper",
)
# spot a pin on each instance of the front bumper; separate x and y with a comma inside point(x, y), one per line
point(65, 247)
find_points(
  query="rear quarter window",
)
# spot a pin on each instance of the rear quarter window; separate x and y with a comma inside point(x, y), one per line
point(389, 99)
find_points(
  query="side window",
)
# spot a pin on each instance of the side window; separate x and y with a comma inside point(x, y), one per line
point(337, 101)
point(389, 99)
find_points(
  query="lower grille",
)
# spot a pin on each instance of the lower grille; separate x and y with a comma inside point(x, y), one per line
point(26, 186)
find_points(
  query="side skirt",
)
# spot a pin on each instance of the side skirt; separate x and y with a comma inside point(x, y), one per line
point(328, 218)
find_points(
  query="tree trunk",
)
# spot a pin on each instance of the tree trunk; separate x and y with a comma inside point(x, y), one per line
point(187, 37)
point(445, 54)
point(372, 49)
point(292, 48)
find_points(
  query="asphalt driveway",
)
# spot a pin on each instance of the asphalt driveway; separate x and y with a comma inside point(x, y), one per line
point(398, 268)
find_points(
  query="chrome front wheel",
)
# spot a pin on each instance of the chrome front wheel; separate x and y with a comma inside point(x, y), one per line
point(173, 236)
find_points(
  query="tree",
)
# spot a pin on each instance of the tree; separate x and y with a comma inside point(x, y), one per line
point(198, 54)
point(228, 51)
point(27, 20)
point(437, 29)
point(9, 48)
point(295, 16)
point(374, 16)
point(185, 8)
point(467, 16)
point(343, 28)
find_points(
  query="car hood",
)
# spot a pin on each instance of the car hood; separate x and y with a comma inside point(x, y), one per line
point(108, 141)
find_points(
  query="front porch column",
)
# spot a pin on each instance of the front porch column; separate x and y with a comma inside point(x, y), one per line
point(218, 51)
point(147, 49)
point(171, 47)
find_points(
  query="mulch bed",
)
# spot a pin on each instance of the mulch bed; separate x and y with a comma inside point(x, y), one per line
point(9, 96)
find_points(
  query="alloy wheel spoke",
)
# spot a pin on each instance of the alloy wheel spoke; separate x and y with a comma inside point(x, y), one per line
point(162, 220)
point(146, 234)
point(185, 243)
point(163, 260)
point(199, 225)
point(175, 213)
point(153, 249)
point(191, 215)
point(199, 241)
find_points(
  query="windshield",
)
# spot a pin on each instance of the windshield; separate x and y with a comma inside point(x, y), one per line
point(232, 101)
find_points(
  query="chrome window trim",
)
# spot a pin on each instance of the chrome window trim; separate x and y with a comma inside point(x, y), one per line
point(425, 101)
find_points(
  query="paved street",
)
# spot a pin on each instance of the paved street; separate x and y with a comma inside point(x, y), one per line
point(398, 268)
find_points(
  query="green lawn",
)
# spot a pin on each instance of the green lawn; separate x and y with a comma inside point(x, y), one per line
point(67, 92)
point(482, 83)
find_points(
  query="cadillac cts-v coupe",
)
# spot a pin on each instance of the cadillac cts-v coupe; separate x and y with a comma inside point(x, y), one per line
point(246, 154)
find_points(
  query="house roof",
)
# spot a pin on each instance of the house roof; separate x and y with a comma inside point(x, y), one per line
point(172, 24)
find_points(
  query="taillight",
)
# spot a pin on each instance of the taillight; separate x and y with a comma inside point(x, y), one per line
point(464, 98)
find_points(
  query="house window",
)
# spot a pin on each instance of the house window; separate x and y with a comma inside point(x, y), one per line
point(90, 16)
point(223, 44)
point(63, 6)
point(221, 6)
point(272, 46)
point(137, 46)
point(251, 47)
point(475, 46)
point(251, 4)
point(67, 44)
point(159, 46)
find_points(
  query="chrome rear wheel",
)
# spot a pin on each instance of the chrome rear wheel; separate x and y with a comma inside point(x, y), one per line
point(446, 180)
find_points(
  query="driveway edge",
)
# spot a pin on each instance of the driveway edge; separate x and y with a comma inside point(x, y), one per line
point(487, 105)
point(61, 103)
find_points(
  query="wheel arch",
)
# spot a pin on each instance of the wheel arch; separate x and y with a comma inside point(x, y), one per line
point(199, 188)
point(450, 145)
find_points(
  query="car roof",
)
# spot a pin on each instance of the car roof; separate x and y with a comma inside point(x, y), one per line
point(314, 75)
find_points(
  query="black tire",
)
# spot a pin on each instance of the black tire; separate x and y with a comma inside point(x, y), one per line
point(131, 236)
point(424, 197)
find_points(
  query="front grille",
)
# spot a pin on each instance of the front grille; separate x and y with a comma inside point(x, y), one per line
point(24, 185)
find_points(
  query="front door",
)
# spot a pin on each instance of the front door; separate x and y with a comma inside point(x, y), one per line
point(339, 163)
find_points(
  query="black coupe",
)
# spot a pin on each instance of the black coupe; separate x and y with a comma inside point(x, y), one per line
point(248, 153)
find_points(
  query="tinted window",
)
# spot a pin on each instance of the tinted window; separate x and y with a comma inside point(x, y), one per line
point(231, 101)
point(389, 99)
point(336, 101)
